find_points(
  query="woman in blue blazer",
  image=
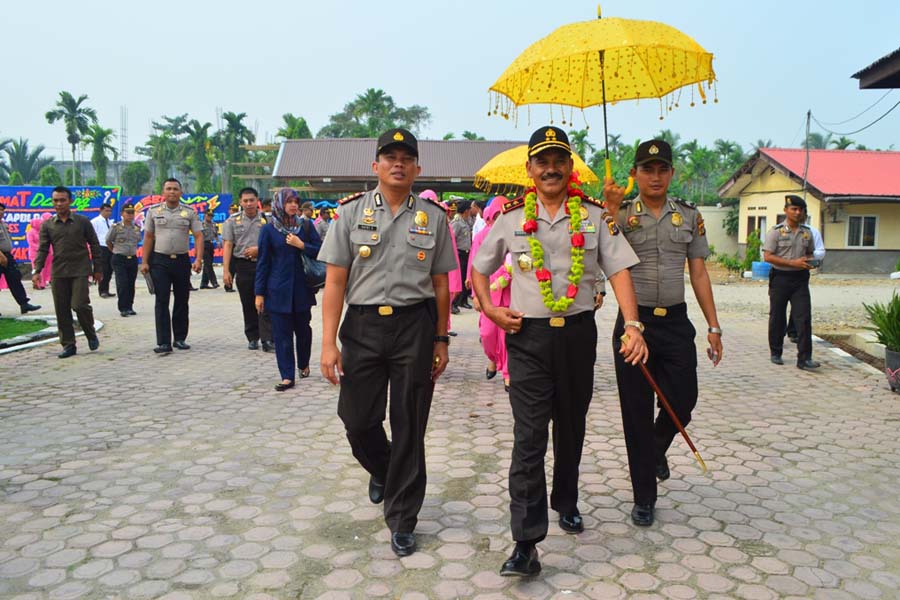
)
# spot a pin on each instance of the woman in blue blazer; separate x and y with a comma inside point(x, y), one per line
point(281, 288)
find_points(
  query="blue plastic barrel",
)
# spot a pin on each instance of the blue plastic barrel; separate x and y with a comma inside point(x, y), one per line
point(760, 270)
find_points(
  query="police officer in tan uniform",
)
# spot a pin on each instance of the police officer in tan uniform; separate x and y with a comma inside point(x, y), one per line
point(789, 247)
point(665, 233)
point(560, 240)
point(210, 237)
point(388, 255)
point(166, 243)
point(240, 235)
point(122, 240)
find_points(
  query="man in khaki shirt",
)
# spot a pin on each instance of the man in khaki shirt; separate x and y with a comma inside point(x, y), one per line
point(560, 241)
point(166, 243)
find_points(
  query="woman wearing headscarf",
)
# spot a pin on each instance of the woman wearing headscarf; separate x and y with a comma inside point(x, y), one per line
point(281, 288)
point(493, 339)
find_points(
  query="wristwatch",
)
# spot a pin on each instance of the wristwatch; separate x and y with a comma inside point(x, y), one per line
point(715, 330)
point(442, 338)
point(636, 324)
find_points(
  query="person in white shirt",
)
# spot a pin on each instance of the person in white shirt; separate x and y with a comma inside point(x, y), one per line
point(477, 209)
point(102, 223)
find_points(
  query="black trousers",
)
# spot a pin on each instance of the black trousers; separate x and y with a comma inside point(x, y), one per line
point(14, 279)
point(106, 268)
point(793, 287)
point(397, 350)
point(171, 276)
point(71, 293)
point(126, 270)
point(551, 371)
point(673, 364)
point(461, 297)
point(292, 330)
point(256, 326)
point(209, 275)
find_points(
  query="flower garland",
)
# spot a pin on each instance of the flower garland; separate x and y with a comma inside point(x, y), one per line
point(576, 270)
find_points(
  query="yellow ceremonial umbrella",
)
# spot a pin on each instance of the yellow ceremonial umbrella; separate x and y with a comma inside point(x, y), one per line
point(507, 170)
point(604, 61)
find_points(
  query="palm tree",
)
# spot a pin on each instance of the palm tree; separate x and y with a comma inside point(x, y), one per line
point(199, 145)
point(229, 142)
point(163, 149)
point(294, 128)
point(77, 119)
point(842, 143)
point(4, 168)
point(578, 140)
point(673, 139)
point(817, 141)
point(24, 161)
point(98, 138)
point(761, 143)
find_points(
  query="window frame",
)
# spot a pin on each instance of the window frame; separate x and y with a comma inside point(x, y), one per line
point(862, 231)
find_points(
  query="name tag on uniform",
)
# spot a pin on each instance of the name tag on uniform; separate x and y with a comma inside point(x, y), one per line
point(520, 232)
point(367, 227)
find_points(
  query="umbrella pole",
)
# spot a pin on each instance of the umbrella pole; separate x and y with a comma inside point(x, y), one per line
point(603, 102)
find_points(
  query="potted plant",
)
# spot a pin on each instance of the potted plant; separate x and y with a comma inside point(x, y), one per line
point(886, 321)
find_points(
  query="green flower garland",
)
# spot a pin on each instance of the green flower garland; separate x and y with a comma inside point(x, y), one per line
point(576, 270)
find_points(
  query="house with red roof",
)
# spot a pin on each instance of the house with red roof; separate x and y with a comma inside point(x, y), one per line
point(853, 199)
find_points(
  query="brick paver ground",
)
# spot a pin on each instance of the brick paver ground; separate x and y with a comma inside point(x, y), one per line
point(128, 475)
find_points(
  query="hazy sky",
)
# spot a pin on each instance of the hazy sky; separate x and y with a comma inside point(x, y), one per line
point(774, 60)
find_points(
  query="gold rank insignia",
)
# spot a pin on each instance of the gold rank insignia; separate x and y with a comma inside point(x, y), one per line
point(368, 220)
point(525, 262)
point(584, 212)
point(677, 219)
point(368, 211)
point(374, 237)
point(420, 256)
point(638, 208)
point(184, 213)
point(421, 219)
point(365, 251)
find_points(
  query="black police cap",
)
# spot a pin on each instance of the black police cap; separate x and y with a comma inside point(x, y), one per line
point(398, 137)
point(546, 138)
point(653, 150)
point(794, 200)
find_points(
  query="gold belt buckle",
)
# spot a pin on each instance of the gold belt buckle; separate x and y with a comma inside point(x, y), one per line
point(385, 311)
point(660, 311)
point(173, 256)
point(129, 257)
point(557, 321)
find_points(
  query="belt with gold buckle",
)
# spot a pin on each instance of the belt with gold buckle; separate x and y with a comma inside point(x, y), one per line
point(173, 256)
point(385, 311)
point(557, 321)
point(660, 311)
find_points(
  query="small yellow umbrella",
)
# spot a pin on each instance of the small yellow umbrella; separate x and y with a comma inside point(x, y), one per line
point(507, 170)
point(604, 61)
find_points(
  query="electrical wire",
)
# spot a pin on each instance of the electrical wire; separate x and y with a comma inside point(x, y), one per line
point(861, 128)
point(883, 96)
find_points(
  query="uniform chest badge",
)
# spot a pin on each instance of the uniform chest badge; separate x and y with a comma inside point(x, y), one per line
point(365, 252)
point(184, 213)
point(421, 218)
point(368, 211)
point(374, 237)
point(805, 235)
point(677, 219)
point(420, 256)
point(368, 220)
point(583, 212)
point(634, 222)
point(525, 262)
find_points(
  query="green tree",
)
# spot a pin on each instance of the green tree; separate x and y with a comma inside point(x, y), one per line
point(25, 161)
point(229, 140)
point(164, 150)
point(842, 143)
point(370, 114)
point(674, 140)
point(4, 168)
point(15, 178)
point(294, 128)
point(73, 176)
point(75, 116)
point(817, 141)
point(448, 136)
point(49, 177)
point(761, 143)
point(135, 176)
point(579, 142)
point(471, 135)
point(98, 138)
point(199, 145)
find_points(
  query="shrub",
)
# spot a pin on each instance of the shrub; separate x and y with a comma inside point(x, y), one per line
point(730, 262)
point(886, 321)
point(752, 254)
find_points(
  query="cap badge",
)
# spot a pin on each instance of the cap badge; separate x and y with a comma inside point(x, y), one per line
point(421, 218)
point(653, 149)
point(551, 135)
point(398, 137)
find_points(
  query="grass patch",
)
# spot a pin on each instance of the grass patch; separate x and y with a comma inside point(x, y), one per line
point(10, 328)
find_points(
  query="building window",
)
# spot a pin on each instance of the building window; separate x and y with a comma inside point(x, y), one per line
point(751, 225)
point(861, 231)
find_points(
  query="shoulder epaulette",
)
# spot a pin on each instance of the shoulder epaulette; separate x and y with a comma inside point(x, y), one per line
point(513, 204)
point(685, 203)
point(161, 208)
point(594, 201)
point(432, 201)
point(350, 198)
point(625, 203)
point(779, 226)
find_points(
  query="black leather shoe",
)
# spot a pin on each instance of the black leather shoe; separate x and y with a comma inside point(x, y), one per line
point(776, 360)
point(808, 364)
point(642, 515)
point(523, 562)
point(163, 349)
point(280, 387)
point(131, 313)
point(452, 333)
point(571, 523)
point(67, 351)
point(794, 339)
point(230, 290)
point(124, 313)
point(181, 345)
point(93, 343)
point(662, 469)
point(205, 287)
point(403, 544)
point(376, 490)
point(193, 289)
point(27, 308)
point(488, 374)
point(454, 310)
point(465, 304)
point(254, 345)
point(268, 346)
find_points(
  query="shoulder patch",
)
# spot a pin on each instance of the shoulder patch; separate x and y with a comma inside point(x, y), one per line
point(685, 203)
point(350, 198)
point(433, 202)
point(513, 204)
point(595, 202)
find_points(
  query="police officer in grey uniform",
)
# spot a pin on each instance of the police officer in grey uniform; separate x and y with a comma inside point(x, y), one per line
point(551, 333)
point(789, 247)
point(166, 244)
point(122, 240)
point(664, 233)
point(240, 235)
point(388, 255)
point(210, 236)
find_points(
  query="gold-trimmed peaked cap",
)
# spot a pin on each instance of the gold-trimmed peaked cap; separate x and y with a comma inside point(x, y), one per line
point(653, 150)
point(400, 137)
point(794, 200)
point(546, 138)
